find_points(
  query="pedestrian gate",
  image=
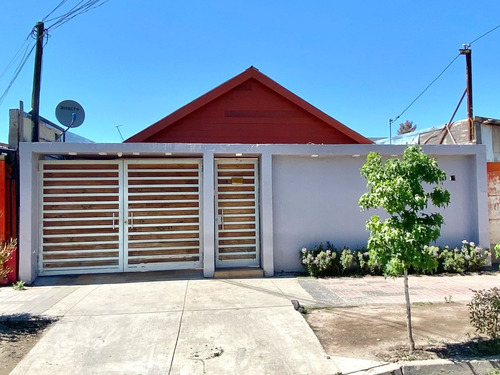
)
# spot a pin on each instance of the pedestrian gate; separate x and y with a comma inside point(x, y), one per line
point(237, 239)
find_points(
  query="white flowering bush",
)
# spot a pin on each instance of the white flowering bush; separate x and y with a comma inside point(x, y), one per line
point(468, 258)
point(320, 261)
point(347, 262)
point(451, 260)
point(362, 258)
point(475, 256)
point(328, 261)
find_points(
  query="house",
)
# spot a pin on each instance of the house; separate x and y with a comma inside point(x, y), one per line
point(242, 177)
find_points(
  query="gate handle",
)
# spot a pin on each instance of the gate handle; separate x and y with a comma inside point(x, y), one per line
point(222, 218)
point(113, 221)
point(131, 220)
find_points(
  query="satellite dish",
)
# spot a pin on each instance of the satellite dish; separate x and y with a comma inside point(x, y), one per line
point(70, 113)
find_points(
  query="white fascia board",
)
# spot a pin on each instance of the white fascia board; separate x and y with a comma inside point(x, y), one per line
point(148, 149)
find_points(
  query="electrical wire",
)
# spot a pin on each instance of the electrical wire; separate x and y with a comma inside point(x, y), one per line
point(486, 33)
point(81, 7)
point(26, 54)
point(16, 56)
point(53, 10)
point(440, 74)
point(18, 70)
point(428, 86)
point(64, 16)
point(77, 10)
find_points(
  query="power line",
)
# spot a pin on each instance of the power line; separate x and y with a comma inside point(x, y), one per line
point(428, 86)
point(65, 16)
point(77, 10)
point(20, 66)
point(486, 33)
point(18, 70)
point(18, 53)
point(440, 74)
point(53, 10)
point(72, 9)
point(81, 7)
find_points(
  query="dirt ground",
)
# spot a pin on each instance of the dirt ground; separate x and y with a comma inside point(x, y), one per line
point(440, 330)
point(16, 339)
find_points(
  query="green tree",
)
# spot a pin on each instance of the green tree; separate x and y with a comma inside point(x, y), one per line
point(406, 127)
point(403, 188)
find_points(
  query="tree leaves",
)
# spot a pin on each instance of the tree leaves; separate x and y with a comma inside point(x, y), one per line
point(403, 188)
point(406, 127)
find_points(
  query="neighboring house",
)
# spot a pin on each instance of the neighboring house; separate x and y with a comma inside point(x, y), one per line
point(483, 131)
point(21, 127)
point(242, 177)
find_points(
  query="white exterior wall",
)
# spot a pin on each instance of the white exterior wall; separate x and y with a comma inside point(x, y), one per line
point(316, 200)
point(304, 199)
point(490, 137)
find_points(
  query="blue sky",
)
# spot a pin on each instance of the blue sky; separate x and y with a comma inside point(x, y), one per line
point(131, 63)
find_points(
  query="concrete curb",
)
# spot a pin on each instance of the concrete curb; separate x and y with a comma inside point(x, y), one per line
point(436, 367)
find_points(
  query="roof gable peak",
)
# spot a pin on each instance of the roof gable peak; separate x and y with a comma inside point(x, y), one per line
point(250, 73)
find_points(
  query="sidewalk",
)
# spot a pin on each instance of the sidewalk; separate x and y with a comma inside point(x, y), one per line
point(149, 324)
point(194, 326)
point(374, 290)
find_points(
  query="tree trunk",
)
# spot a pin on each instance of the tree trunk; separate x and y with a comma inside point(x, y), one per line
point(411, 343)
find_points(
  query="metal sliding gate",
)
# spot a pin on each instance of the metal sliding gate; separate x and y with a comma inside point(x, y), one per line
point(237, 207)
point(124, 215)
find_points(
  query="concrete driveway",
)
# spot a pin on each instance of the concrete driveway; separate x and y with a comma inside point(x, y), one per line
point(180, 323)
point(192, 326)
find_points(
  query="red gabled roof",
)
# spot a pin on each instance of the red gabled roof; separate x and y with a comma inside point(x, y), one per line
point(155, 131)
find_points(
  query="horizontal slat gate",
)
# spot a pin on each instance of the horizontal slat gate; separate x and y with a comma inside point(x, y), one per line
point(125, 215)
point(80, 209)
point(163, 208)
point(237, 200)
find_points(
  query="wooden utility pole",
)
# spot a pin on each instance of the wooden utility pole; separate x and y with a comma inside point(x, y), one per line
point(468, 71)
point(37, 75)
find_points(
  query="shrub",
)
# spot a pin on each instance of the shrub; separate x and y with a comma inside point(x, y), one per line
point(320, 261)
point(451, 260)
point(328, 261)
point(7, 249)
point(347, 262)
point(361, 257)
point(468, 258)
point(366, 265)
point(497, 251)
point(484, 311)
point(475, 256)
